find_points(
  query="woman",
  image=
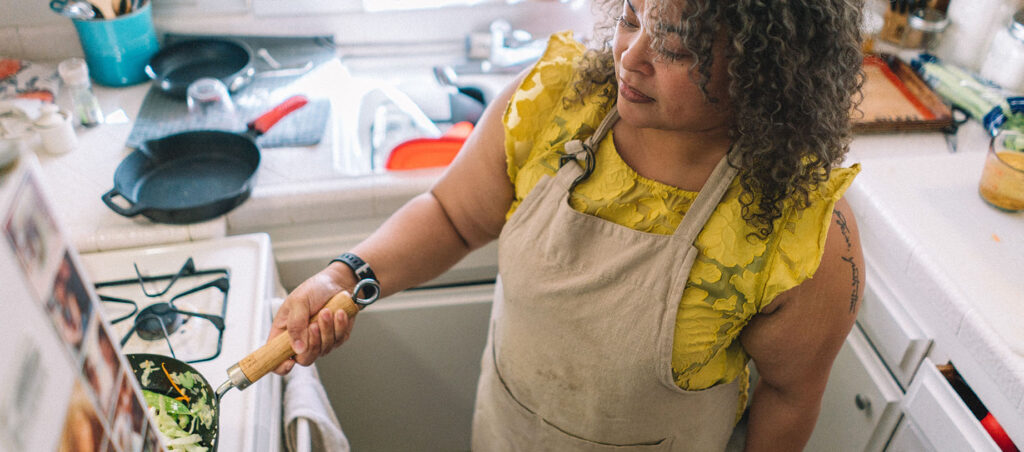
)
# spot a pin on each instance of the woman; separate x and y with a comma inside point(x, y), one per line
point(661, 204)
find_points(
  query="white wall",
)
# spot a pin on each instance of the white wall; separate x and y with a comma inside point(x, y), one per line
point(28, 29)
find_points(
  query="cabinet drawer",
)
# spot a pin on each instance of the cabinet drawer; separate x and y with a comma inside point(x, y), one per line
point(898, 339)
point(934, 408)
point(907, 439)
point(860, 407)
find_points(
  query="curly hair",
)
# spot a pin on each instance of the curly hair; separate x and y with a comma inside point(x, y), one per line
point(795, 70)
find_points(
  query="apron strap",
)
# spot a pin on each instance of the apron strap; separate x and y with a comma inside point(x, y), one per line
point(707, 200)
point(576, 150)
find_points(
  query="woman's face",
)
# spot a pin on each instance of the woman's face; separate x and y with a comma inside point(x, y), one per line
point(656, 89)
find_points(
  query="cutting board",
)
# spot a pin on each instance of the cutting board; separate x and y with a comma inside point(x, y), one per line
point(894, 98)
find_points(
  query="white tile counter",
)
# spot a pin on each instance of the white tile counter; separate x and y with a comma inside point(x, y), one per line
point(75, 182)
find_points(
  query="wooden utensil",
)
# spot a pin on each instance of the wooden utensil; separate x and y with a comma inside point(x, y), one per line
point(105, 8)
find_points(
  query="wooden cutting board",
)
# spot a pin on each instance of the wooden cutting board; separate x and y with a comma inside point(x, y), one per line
point(894, 98)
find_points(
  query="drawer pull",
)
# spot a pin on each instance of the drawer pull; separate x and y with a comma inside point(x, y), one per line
point(863, 403)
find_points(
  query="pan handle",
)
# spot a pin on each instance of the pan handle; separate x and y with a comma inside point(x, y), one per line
point(131, 211)
point(261, 125)
point(278, 349)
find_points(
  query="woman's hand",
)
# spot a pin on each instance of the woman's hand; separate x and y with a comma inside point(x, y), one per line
point(311, 340)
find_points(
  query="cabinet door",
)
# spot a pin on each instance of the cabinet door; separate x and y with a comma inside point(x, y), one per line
point(406, 380)
point(938, 413)
point(860, 407)
point(898, 339)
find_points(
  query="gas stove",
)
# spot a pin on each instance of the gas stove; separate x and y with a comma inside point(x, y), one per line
point(206, 303)
point(179, 314)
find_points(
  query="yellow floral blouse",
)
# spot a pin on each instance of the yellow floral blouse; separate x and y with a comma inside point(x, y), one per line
point(732, 279)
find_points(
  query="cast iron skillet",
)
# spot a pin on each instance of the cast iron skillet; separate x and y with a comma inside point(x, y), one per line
point(243, 374)
point(193, 176)
point(176, 66)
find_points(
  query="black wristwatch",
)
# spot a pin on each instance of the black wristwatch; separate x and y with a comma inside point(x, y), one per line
point(363, 272)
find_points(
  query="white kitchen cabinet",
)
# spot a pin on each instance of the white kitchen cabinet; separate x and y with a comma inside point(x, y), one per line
point(941, 417)
point(897, 338)
point(860, 407)
point(406, 380)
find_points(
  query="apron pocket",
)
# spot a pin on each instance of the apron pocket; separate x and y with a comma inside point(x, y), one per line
point(545, 436)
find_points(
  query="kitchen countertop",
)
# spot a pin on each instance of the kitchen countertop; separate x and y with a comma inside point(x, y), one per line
point(294, 184)
point(916, 205)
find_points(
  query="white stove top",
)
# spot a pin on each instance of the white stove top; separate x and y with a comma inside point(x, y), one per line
point(250, 419)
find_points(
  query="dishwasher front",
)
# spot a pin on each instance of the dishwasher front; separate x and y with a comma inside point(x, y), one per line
point(406, 379)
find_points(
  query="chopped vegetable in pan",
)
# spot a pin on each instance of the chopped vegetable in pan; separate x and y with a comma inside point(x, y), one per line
point(175, 421)
point(177, 418)
point(147, 367)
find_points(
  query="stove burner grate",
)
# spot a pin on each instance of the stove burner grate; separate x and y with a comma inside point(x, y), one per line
point(162, 320)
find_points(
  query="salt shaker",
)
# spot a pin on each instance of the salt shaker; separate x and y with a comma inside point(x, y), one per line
point(75, 74)
point(1004, 62)
point(55, 130)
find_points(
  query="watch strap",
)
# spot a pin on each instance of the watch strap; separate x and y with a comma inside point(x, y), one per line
point(360, 268)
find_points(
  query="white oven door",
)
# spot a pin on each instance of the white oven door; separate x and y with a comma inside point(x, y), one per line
point(406, 379)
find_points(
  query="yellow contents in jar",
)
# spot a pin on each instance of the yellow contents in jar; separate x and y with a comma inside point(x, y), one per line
point(1002, 180)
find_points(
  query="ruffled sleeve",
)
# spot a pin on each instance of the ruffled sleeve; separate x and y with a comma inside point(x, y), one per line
point(798, 256)
point(537, 103)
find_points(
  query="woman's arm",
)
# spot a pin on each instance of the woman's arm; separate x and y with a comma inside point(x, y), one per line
point(795, 343)
point(463, 211)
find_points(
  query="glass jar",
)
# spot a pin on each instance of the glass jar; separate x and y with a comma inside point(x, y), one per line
point(1004, 62)
point(75, 74)
point(924, 29)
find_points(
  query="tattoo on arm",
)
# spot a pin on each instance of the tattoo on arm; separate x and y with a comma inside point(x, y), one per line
point(844, 228)
point(855, 283)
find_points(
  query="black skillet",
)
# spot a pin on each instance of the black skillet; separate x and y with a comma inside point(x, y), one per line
point(176, 66)
point(193, 176)
point(241, 375)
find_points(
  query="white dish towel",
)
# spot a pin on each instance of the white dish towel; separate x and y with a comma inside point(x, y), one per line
point(305, 401)
point(309, 421)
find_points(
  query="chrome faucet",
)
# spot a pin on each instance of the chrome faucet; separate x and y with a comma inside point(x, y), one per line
point(512, 47)
point(507, 51)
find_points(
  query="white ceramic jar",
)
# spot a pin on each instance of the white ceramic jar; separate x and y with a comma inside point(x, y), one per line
point(1004, 62)
point(56, 130)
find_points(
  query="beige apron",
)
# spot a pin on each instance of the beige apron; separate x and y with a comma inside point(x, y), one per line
point(579, 355)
